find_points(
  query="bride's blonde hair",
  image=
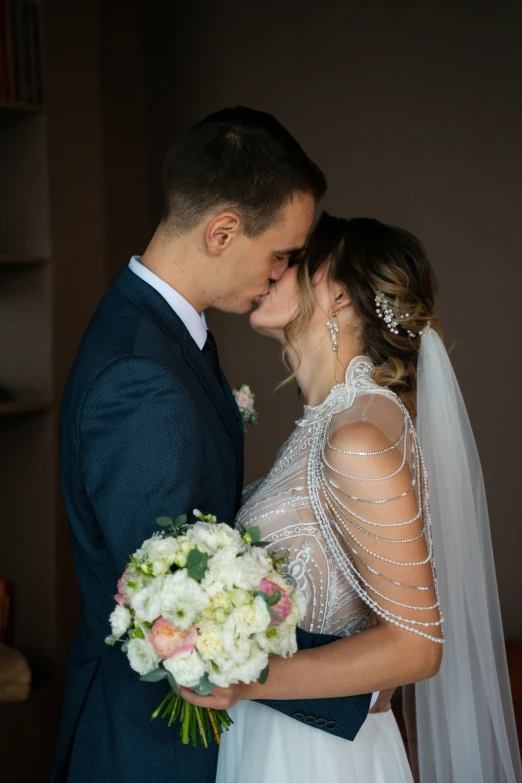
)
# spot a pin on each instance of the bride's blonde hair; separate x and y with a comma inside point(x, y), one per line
point(367, 257)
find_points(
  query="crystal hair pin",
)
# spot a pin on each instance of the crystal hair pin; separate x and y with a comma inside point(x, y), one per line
point(385, 310)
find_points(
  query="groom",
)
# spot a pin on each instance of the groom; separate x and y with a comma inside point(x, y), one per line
point(149, 425)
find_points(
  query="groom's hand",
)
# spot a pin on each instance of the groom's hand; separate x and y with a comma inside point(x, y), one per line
point(219, 699)
point(383, 703)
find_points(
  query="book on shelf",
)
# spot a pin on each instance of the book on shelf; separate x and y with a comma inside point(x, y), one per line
point(6, 611)
point(21, 77)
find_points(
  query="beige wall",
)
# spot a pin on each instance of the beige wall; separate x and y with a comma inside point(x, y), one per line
point(414, 113)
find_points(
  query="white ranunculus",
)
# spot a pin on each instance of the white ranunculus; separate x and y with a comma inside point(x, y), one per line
point(186, 668)
point(210, 538)
point(209, 644)
point(182, 599)
point(142, 656)
point(147, 602)
point(120, 620)
point(283, 642)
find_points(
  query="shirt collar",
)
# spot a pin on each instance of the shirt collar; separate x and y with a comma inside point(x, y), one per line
point(195, 322)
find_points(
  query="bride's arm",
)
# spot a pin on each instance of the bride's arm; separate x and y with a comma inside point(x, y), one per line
point(394, 569)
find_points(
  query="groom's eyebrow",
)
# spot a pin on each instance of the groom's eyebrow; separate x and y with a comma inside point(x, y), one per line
point(291, 251)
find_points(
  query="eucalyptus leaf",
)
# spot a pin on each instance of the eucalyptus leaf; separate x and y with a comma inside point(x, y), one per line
point(181, 520)
point(172, 682)
point(125, 647)
point(110, 640)
point(264, 675)
point(154, 676)
point(204, 687)
point(164, 521)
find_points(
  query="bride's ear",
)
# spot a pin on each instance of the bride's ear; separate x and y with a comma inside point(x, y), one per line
point(341, 300)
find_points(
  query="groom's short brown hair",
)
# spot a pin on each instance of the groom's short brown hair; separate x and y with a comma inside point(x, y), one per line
point(238, 159)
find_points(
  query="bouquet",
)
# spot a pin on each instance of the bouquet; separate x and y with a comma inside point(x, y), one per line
point(203, 605)
point(245, 400)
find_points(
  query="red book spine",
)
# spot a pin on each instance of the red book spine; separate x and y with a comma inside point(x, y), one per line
point(6, 611)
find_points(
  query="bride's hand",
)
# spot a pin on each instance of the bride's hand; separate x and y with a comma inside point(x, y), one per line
point(219, 699)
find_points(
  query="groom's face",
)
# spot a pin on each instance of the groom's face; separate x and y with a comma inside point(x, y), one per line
point(259, 261)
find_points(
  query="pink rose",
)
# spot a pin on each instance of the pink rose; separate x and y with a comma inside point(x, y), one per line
point(283, 607)
point(122, 598)
point(169, 641)
point(244, 402)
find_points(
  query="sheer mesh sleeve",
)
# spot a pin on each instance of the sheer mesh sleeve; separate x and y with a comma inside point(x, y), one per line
point(368, 485)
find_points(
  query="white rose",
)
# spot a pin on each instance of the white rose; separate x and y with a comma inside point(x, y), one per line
point(147, 602)
point(211, 538)
point(182, 599)
point(230, 672)
point(161, 553)
point(299, 606)
point(142, 656)
point(250, 670)
point(283, 641)
point(209, 644)
point(186, 668)
point(120, 620)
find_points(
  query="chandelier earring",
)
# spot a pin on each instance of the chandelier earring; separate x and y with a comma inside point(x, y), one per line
point(333, 328)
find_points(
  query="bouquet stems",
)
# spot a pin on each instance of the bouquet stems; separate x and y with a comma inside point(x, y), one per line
point(197, 723)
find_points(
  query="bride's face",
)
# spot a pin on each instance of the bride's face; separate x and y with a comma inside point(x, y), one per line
point(281, 304)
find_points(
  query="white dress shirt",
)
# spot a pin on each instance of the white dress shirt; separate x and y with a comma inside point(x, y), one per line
point(194, 321)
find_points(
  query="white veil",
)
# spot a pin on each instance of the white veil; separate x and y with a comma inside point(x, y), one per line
point(464, 715)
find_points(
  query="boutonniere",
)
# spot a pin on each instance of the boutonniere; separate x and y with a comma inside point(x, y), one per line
point(245, 402)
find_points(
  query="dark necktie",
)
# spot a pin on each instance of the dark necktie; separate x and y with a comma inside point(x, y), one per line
point(210, 353)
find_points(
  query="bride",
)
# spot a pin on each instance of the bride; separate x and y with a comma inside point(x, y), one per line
point(348, 500)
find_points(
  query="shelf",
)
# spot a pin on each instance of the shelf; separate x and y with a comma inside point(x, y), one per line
point(18, 407)
point(13, 260)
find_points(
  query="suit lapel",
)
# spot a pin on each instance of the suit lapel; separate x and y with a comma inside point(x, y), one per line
point(217, 392)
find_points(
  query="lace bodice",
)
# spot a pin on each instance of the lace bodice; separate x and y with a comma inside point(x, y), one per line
point(347, 499)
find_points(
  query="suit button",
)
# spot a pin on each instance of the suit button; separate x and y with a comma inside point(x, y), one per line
point(331, 724)
point(320, 723)
point(309, 719)
point(298, 716)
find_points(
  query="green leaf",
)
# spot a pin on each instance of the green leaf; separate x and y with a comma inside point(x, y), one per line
point(196, 573)
point(172, 682)
point(261, 543)
point(110, 640)
point(255, 534)
point(137, 633)
point(164, 521)
point(181, 520)
point(154, 676)
point(273, 599)
point(263, 677)
point(204, 687)
point(275, 615)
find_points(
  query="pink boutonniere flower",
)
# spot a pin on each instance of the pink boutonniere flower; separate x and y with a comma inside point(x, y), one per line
point(245, 402)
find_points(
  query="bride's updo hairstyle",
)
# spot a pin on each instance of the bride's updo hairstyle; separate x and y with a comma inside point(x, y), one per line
point(367, 257)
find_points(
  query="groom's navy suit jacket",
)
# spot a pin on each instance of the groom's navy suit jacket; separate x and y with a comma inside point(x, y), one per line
point(147, 430)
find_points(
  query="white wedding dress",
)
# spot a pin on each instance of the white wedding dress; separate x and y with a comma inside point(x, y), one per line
point(356, 549)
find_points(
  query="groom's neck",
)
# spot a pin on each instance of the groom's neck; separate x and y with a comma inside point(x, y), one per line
point(177, 261)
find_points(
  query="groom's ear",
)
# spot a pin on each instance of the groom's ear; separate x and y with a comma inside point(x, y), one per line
point(222, 231)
